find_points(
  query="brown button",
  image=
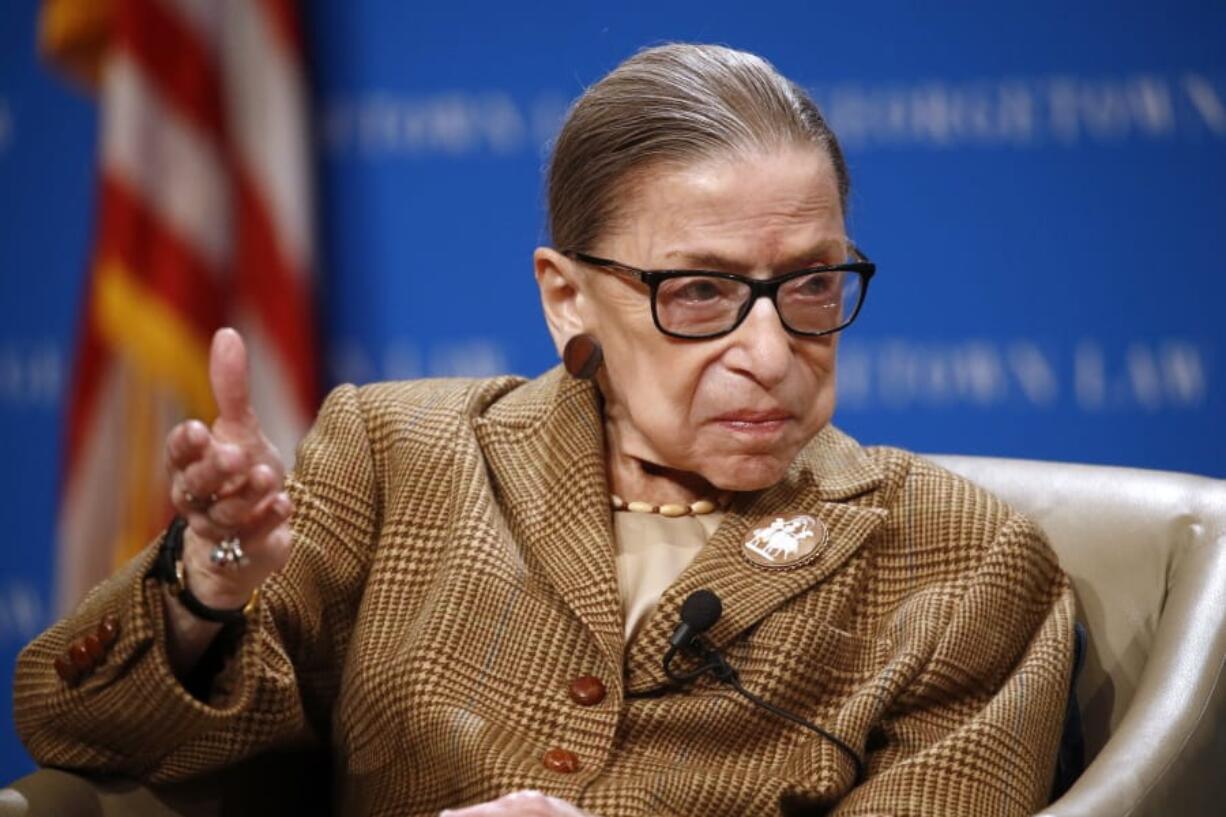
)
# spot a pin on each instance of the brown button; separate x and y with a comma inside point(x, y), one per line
point(80, 656)
point(561, 761)
point(587, 690)
point(108, 630)
point(66, 670)
point(93, 646)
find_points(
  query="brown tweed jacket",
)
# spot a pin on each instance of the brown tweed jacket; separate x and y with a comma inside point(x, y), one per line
point(453, 571)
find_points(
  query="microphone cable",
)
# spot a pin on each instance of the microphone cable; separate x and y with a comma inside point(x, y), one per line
point(699, 612)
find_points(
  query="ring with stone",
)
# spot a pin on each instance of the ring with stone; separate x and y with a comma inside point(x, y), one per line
point(228, 553)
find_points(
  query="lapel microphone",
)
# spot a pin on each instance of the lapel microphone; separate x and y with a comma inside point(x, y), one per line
point(699, 612)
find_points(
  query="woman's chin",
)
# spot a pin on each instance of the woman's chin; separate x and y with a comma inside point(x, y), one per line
point(746, 472)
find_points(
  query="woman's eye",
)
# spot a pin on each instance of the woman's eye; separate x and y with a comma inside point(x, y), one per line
point(816, 286)
point(697, 291)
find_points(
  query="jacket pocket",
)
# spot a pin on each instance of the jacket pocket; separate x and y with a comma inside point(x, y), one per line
point(803, 656)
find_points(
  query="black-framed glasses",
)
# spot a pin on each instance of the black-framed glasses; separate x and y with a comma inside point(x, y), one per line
point(698, 304)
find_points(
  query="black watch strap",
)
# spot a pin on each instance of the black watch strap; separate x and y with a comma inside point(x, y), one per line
point(169, 570)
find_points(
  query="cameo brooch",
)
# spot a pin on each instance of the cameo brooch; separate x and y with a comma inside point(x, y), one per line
point(784, 542)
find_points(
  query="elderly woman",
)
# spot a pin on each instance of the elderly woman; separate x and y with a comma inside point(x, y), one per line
point(467, 589)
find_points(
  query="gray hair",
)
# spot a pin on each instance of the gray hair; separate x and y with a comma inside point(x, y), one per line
point(673, 104)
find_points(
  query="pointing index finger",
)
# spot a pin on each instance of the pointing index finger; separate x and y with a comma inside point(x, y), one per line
point(230, 377)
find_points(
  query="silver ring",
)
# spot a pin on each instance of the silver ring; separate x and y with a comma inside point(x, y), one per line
point(228, 553)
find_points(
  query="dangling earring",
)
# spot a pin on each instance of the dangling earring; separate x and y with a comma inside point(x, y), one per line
point(582, 356)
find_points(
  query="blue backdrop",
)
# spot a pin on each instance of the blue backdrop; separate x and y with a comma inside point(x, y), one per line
point(1041, 186)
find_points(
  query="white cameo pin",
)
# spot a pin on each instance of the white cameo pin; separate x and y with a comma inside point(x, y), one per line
point(787, 541)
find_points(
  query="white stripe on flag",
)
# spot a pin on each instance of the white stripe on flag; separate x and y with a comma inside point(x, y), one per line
point(91, 500)
point(267, 108)
point(167, 162)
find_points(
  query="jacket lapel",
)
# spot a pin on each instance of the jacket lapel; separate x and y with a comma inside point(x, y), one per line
point(544, 445)
point(831, 470)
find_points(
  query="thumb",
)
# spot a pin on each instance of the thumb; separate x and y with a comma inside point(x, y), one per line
point(230, 377)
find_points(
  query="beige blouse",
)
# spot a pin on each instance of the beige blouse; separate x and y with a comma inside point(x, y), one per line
point(652, 550)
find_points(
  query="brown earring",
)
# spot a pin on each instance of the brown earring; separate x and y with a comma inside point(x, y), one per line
point(582, 356)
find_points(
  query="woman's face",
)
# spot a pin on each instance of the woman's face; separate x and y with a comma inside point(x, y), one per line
point(736, 409)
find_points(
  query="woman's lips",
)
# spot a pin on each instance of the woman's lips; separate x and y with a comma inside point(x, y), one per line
point(754, 423)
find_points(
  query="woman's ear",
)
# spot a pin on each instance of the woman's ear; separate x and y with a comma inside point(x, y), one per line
point(561, 297)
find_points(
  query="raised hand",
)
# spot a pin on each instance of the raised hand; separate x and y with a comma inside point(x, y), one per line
point(228, 483)
point(526, 803)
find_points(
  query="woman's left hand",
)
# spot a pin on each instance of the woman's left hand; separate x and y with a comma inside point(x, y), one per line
point(519, 804)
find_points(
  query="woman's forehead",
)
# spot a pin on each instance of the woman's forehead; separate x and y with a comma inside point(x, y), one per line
point(823, 249)
point(736, 214)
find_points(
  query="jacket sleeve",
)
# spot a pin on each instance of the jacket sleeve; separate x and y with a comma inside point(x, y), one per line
point(977, 732)
point(277, 674)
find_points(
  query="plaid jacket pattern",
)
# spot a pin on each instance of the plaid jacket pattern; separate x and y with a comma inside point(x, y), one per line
point(453, 570)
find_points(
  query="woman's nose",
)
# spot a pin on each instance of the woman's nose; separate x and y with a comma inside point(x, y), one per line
point(762, 346)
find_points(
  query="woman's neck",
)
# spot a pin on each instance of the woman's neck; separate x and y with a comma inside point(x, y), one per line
point(634, 475)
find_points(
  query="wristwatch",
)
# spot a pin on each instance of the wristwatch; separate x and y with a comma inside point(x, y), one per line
point(170, 571)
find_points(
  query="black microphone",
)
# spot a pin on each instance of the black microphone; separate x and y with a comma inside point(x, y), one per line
point(699, 612)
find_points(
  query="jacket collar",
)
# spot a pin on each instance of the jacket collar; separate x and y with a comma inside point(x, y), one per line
point(544, 444)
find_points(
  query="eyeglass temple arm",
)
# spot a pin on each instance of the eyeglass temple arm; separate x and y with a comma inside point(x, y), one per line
point(607, 264)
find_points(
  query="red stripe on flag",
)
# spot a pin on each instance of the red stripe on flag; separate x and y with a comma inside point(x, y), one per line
point(165, 265)
point(176, 61)
point(277, 295)
point(283, 18)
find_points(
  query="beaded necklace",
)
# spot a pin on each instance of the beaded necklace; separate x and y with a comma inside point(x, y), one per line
point(700, 507)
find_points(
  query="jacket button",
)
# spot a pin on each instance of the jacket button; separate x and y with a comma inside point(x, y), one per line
point(93, 646)
point(561, 761)
point(108, 630)
point(587, 690)
point(80, 657)
point(66, 670)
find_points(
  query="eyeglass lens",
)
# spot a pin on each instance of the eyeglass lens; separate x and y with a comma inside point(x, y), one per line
point(700, 305)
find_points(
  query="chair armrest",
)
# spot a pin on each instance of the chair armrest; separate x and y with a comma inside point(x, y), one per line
point(56, 793)
point(1167, 755)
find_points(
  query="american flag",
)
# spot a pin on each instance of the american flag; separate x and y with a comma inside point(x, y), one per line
point(204, 219)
